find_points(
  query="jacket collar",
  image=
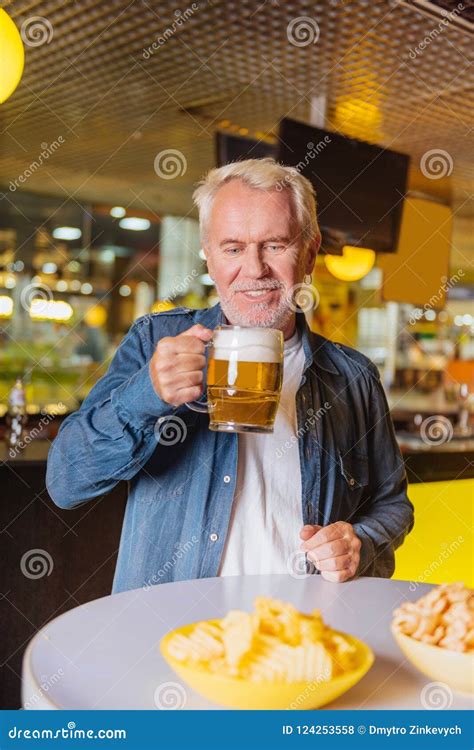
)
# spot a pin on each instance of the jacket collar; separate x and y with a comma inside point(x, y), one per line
point(212, 317)
point(317, 349)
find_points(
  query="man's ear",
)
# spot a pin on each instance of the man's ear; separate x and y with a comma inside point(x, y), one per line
point(208, 260)
point(312, 253)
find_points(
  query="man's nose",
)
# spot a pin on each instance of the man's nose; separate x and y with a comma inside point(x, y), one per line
point(255, 266)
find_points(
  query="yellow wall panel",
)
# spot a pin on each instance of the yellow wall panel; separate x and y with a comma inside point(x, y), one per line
point(440, 547)
point(417, 271)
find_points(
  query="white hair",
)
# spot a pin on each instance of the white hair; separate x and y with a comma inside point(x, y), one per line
point(262, 174)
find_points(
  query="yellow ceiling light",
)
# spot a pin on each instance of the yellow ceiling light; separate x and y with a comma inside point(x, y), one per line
point(6, 306)
point(12, 56)
point(359, 112)
point(162, 306)
point(352, 265)
point(41, 309)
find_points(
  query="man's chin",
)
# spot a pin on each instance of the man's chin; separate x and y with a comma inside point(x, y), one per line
point(266, 317)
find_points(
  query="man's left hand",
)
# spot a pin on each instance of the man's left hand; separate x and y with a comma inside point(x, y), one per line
point(334, 549)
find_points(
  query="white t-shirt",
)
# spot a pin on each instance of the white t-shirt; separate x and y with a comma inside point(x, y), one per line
point(267, 516)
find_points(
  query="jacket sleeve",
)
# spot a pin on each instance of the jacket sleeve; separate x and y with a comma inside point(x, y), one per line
point(113, 433)
point(387, 515)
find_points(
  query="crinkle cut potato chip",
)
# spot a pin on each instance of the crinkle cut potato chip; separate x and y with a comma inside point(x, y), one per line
point(275, 643)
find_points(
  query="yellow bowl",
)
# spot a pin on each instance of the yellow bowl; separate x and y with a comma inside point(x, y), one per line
point(454, 668)
point(236, 692)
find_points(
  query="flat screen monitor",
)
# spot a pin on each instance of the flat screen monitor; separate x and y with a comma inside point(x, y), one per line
point(235, 148)
point(360, 188)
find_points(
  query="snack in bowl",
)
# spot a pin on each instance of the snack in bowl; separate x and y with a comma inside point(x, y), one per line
point(443, 617)
point(436, 633)
point(267, 658)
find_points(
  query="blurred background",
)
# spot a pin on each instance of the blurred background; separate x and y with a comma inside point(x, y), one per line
point(123, 106)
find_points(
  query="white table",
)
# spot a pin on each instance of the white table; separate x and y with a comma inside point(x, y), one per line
point(104, 655)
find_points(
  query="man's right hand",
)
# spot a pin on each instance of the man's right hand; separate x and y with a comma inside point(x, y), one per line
point(177, 366)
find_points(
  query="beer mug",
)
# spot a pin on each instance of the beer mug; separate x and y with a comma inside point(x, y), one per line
point(244, 378)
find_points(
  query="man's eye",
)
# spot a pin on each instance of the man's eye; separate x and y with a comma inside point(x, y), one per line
point(275, 248)
point(232, 250)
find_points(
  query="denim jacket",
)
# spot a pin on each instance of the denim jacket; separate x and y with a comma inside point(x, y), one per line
point(181, 475)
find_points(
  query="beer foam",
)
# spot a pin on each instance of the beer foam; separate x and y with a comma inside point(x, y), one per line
point(248, 344)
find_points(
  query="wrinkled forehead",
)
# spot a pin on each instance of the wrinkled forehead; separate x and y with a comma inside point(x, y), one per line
point(250, 214)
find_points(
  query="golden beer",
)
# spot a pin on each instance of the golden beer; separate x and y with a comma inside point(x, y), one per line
point(244, 378)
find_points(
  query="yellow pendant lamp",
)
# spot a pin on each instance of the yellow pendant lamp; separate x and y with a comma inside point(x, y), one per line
point(12, 56)
point(352, 265)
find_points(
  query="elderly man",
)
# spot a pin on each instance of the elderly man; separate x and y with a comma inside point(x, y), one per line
point(327, 487)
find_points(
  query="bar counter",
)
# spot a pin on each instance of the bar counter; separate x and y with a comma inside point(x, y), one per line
point(80, 548)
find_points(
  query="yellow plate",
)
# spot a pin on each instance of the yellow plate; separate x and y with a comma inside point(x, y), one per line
point(236, 692)
point(454, 668)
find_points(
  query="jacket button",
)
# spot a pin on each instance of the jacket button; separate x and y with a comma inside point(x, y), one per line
point(227, 479)
point(352, 482)
point(213, 537)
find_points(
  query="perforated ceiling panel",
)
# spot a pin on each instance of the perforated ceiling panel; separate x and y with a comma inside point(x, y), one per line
point(116, 83)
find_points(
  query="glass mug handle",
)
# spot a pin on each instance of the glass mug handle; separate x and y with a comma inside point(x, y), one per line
point(202, 407)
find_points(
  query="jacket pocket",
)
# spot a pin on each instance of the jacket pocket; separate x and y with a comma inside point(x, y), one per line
point(354, 467)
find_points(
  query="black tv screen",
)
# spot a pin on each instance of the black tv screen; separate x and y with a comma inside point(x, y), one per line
point(359, 187)
point(235, 148)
